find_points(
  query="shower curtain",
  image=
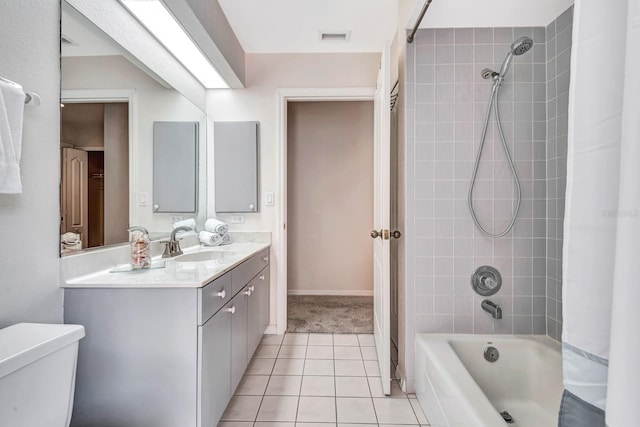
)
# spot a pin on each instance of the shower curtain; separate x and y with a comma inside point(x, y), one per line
point(601, 284)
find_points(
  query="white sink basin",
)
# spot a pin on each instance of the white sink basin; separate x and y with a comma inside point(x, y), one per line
point(221, 257)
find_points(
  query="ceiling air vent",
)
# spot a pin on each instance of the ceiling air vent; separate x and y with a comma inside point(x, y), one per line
point(335, 36)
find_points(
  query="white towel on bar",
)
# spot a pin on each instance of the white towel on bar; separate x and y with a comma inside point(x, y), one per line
point(185, 223)
point(226, 239)
point(215, 226)
point(11, 116)
point(210, 239)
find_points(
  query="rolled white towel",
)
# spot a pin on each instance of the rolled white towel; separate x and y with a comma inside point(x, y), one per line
point(210, 239)
point(190, 222)
point(226, 239)
point(215, 226)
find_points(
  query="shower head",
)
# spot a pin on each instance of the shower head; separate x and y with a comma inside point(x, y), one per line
point(518, 47)
point(521, 46)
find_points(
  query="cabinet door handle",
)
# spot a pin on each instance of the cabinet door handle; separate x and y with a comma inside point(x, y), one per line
point(261, 277)
point(265, 259)
point(232, 310)
point(252, 288)
point(248, 292)
point(222, 294)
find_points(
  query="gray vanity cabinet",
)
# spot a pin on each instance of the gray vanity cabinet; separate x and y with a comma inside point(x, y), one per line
point(239, 332)
point(258, 312)
point(166, 357)
point(215, 383)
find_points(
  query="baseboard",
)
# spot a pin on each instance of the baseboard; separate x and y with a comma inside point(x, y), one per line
point(271, 330)
point(331, 293)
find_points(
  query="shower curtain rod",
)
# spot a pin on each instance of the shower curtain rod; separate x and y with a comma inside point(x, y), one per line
point(415, 27)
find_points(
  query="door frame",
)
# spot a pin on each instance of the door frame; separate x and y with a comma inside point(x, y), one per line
point(106, 96)
point(284, 96)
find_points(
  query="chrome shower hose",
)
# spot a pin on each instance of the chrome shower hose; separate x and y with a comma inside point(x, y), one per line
point(493, 101)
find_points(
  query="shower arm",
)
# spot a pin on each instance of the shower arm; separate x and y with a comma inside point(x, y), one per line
point(417, 25)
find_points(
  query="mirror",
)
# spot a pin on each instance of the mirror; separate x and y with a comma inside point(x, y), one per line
point(109, 104)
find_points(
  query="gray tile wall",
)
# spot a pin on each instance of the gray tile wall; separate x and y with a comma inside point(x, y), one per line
point(558, 61)
point(446, 104)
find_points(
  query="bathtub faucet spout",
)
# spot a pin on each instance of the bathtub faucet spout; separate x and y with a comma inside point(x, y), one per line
point(492, 308)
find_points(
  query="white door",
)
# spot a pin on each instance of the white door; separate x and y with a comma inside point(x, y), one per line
point(75, 193)
point(381, 218)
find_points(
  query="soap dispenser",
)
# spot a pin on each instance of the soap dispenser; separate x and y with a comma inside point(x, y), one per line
point(140, 247)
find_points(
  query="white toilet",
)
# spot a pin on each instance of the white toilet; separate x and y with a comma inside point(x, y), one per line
point(37, 374)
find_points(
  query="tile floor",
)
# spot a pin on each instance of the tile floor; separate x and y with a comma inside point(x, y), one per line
point(305, 380)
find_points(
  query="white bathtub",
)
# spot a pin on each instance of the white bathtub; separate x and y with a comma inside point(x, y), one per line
point(456, 386)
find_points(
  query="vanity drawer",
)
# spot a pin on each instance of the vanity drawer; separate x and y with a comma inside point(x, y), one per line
point(212, 297)
point(242, 274)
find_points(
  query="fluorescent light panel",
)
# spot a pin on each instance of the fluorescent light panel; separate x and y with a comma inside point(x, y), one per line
point(161, 23)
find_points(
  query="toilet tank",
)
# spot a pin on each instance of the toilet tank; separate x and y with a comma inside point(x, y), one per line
point(37, 374)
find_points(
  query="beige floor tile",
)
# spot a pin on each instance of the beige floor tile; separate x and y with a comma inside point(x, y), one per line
point(394, 411)
point(272, 339)
point(242, 408)
point(286, 385)
point(252, 385)
point(260, 367)
point(345, 339)
point(417, 409)
point(349, 368)
point(316, 409)
point(318, 386)
point(321, 339)
point(315, 424)
point(347, 353)
point(278, 408)
point(372, 368)
point(369, 353)
point(288, 367)
point(352, 387)
point(375, 386)
point(292, 352)
point(266, 352)
point(295, 339)
point(366, 340)
point(318, 367)
point(355, 410)
point(273, 424)
point(357, 425)
point(320, 352)
point(235, 424)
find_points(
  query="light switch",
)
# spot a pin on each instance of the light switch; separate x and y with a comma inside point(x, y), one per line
point(143, 198)
point(237, 219)
point(268, 197)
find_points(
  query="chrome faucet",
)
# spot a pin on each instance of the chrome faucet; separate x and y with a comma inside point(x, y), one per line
point(492, 308)
point(172, 246)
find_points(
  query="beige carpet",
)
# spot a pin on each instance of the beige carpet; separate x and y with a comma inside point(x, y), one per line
point(330, 314)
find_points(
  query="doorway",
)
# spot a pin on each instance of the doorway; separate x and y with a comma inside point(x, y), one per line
point(329, 216)
point(94, 143)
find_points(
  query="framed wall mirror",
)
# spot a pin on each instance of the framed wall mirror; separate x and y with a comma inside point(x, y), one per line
point(110, 101)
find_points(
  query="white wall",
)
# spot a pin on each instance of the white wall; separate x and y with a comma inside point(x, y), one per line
point(153, 102)
point(489, 13)
point(29, 223)
point(265, 74)
point(330, 198)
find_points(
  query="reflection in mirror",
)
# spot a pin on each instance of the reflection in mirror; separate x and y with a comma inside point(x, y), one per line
point(108, 109)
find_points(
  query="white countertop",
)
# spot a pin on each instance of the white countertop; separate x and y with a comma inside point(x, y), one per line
point(174, 274)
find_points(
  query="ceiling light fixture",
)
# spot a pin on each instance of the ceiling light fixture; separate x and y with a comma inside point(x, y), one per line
point(162, 24)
